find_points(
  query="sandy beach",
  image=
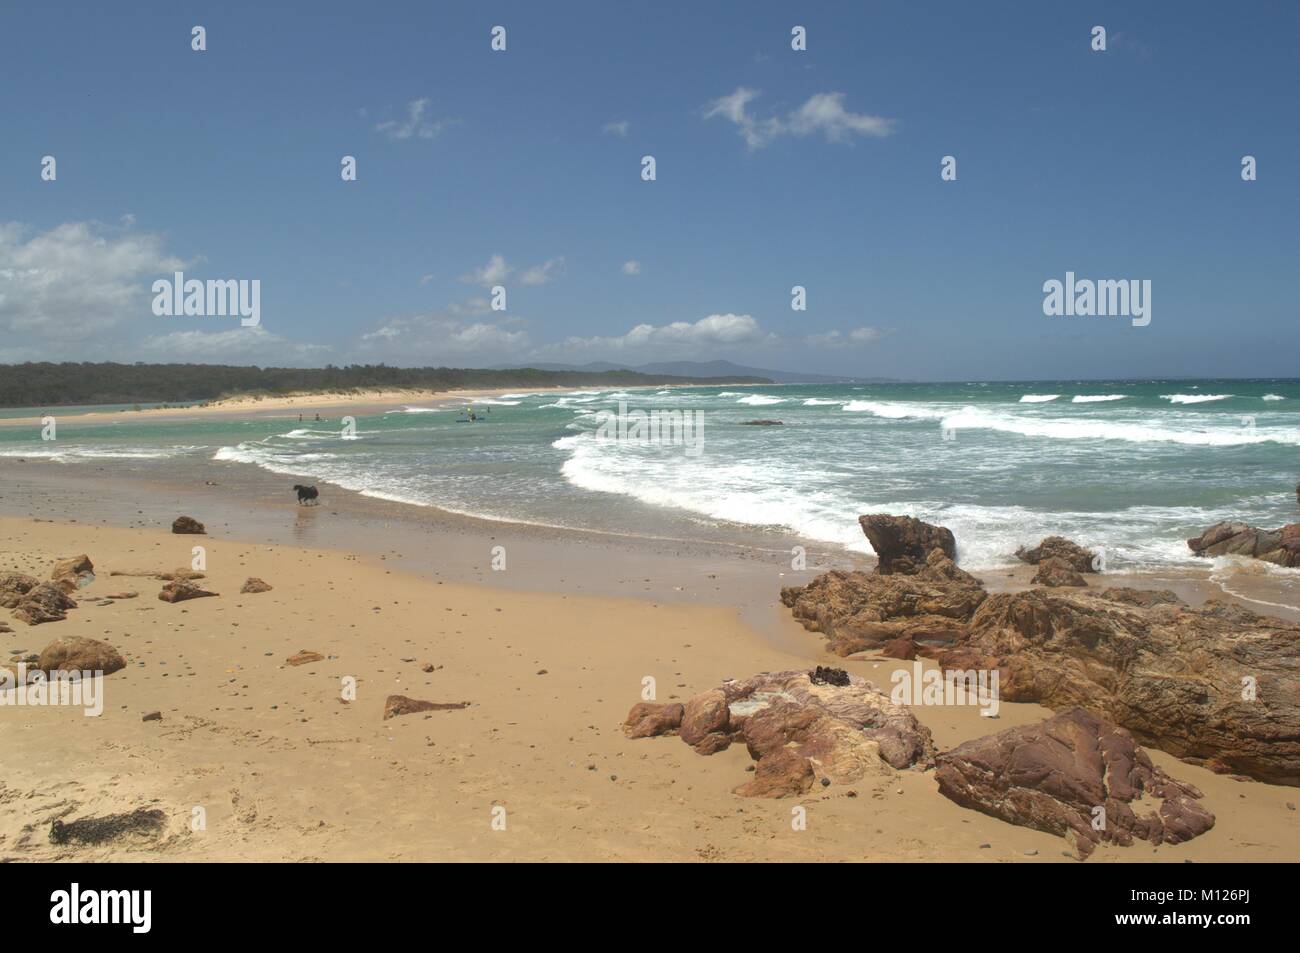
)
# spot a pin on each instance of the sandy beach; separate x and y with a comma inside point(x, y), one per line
point(290, 405)
point(281, 768)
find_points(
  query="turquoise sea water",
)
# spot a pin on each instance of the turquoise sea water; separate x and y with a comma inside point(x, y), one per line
point(1133, 467)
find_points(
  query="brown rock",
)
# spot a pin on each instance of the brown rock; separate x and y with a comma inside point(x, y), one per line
point(73, 573)
point(253, 584)
point(130, 594)
point(648, 719)
point(304, 657)
point(1055, 571)
point(903, 648)
point(401, 705)
point(152, 716)
point(858, 611)
point(800, 731)
point(1278, 546)
point(1060, 775)
point(1178, 678)
point(13, 586)
point(703, 715)
point(903, 543)
point(182, 590)
point(44, 602)
point(187, 525)
point(73, 653)
point(1066, 551)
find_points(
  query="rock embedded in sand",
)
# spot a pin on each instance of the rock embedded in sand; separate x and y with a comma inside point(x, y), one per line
point(303, 657)
point(146, 822)
point(1064, 551)
point(73, 573)
point(904, 543)
point(1216, 685)
point(1060, 775)
point(649, 719)
point(798, 731)
point(253, 584)
point(1055, 572)
point(42, 603)
point(74, 653)
point(187, 525)
point(1278, 546)
point(858, 610)
point(401, 705)
point(182, 590)
point(15, 585)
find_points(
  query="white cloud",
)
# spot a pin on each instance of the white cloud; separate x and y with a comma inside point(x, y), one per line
point(863, 335)
point(679, 336)
point(254, 345)
point(475, 305)
point(619, 128)
point(632, 267)
point(75, 282)
point(438, 339)
point(415, 126)
point(425, 279)
point(497, 270)
point(822, 113)
point(543, 273)
point(493, 273)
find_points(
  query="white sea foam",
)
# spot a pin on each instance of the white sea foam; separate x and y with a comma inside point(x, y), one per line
point(62, 452)
point(788, 496)
point(1193, 398)
point(1037, 398)
point(1272, 397)
point(976, 418)
point(1095, 398)
point(823, 402)
point(761, 400)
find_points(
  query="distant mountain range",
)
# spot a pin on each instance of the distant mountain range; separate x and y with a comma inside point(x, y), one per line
point(703, 369)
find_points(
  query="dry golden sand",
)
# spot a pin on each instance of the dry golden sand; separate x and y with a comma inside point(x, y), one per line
point(284, 770)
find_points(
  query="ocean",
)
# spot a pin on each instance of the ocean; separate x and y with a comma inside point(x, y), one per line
point(1130, 467)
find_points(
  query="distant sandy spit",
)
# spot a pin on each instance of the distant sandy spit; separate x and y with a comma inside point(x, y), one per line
point(360, 403)
point(252, 757)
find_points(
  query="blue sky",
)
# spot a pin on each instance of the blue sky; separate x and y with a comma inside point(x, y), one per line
point(775, 168)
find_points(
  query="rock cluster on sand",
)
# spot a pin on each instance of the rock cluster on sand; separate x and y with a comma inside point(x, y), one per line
point(253, 584)
point(858, 611)
point(1065, 551)
point(903, 543)
point(13, 586)
point(187, 525)
point(182, 589)
point(1074, 775)
point(797, 730)
point(73, 653)
point(1217, 684)
point(43, 602)
point(1060, 562)
point(303, 657)
point(1278, 546)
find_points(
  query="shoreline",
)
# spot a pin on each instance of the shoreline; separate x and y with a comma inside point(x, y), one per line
point(368, 402)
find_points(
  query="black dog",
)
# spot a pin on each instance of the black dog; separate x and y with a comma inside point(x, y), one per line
point(306, 493)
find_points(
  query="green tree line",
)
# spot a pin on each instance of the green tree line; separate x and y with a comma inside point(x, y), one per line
point(51, 385)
